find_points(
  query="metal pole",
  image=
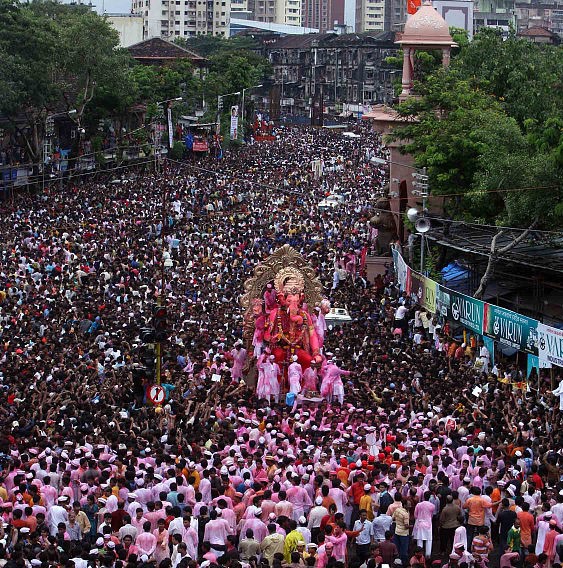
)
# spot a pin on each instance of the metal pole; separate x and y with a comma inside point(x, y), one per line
point(43, 156)
point(161, 300)
point(242, 114)
point(158, 353)
point(422, 253)
point(422, 237)
point(218, 120)
point(154, 142)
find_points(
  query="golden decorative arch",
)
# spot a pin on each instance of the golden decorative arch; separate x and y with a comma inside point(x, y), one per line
point(284, 263)
point(267, 271)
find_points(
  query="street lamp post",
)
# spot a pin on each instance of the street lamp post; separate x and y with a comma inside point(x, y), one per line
point(158, 103)
point(421, 223)
point(242, 113)
point(219, 108)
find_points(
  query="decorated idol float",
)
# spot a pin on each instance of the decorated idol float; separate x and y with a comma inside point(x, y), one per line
point(284, 320)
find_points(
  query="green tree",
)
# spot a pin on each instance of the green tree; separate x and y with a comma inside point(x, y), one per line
point(498, 166)
point(451, 129)
point(489, 131)
point(526, 77)
point(28, 47)
point(54, 58)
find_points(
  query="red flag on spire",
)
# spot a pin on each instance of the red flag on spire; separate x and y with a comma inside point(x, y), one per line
point(413, 6)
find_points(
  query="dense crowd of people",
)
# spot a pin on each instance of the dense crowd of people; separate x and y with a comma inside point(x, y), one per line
point(408, 468)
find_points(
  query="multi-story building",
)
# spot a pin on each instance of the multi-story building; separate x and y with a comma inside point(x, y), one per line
point(380, 15)
point(494, 14)
point(520, 15)
point(276, 11)
point(347, 68)
point(168, 19)
point(317, 14)
point(324, 15)
point(289, 12)
point(534, 14)
point(129, 27)
point(239, 9)
point(457, 13)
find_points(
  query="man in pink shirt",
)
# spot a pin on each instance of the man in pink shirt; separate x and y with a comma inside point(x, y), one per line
point(422, 530)
point(49, 494)
point(190, 538)
point(138, 521)
point(259, 529)
point(324, 555)
point(339, 541)
point(216, 532)
point(268, 505)
point(146, 541)
point(338, 495)
point(298, 496)
point(283, 507)
point(228, 514)
point(154, 514)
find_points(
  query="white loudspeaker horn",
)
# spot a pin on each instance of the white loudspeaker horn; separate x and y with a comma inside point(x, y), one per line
point(412, 214)
point(422, 225)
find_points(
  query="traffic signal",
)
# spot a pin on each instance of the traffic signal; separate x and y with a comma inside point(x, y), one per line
point(149, 360)
point(146, 334)
point(160, 323)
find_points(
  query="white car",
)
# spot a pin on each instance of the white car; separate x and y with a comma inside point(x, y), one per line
point(337, 316)
point(331, 201)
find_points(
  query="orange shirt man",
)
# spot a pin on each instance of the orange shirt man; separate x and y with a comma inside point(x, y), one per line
point(476, 505)
point(527, 524)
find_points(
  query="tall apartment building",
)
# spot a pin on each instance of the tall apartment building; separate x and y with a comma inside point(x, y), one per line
point(168, 19)
point(319, 14)
point(328, 15)
point(499, 14)
point(277, 11)
point(289, 12)
point(240, 8)
point(547, 14)
point(380, 15)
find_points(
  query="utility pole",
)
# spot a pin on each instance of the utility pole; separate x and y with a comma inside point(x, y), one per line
point(421, 225)
point(242, 110)
point(218, 118)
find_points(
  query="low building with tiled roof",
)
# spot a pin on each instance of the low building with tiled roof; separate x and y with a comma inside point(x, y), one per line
point(157, 51)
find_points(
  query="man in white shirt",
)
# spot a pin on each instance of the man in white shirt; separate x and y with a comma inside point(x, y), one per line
point(58, 514)
point(485, 356)
point(380, 525)
point(315, 517)
point(181, 554)
point(401, 319)
point(364, 539)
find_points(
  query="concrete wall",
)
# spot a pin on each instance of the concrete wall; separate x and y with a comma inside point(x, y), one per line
point(457, 13)
point(129, 26)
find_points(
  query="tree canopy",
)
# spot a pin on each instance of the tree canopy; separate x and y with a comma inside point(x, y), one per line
point(55, 57)
point(58, 57)
point(489, 130)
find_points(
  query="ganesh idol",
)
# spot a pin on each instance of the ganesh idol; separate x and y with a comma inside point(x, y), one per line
point(290, 327)
point(280, 299)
